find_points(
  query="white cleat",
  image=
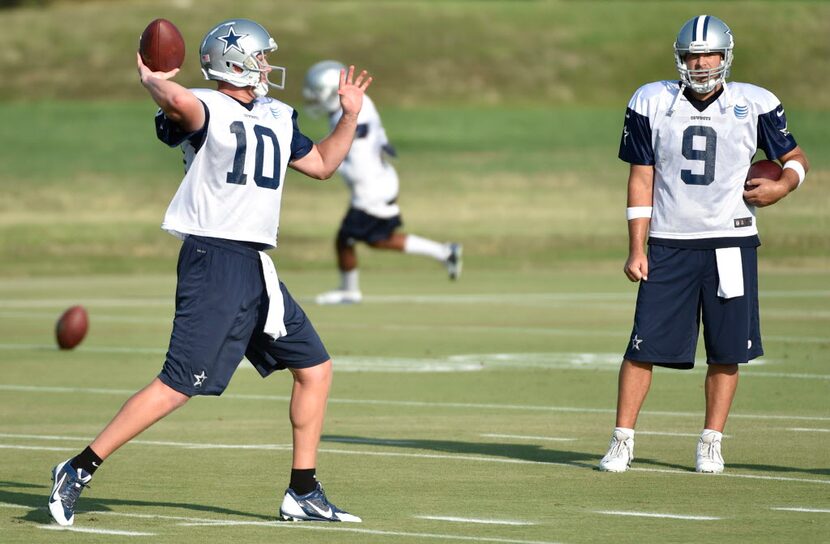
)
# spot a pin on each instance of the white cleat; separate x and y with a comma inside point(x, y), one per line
point(339, 296)
point(312, 506)
point(68, 483)
point(620, 453)
point(709, 459)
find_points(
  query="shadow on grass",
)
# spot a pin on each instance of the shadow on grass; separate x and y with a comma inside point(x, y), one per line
point(540, 454)
point(519, 452)
point(18, 494)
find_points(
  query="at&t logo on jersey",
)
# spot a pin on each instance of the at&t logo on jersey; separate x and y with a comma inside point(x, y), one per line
point(741, 111)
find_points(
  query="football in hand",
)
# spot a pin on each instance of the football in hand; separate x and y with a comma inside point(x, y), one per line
point(71, 327)
point(763, 169)
point(161, 46)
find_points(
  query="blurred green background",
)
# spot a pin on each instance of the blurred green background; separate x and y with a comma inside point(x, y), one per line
point(506, 115)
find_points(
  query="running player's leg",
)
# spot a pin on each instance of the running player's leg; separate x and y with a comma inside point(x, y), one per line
point(144, 408)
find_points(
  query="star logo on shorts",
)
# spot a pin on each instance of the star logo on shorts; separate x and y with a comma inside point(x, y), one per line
point(635, 343)
point(200, 379)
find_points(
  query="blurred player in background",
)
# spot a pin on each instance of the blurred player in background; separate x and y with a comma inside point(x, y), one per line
point(690, 144)
point(237, 143)
point(374, 215)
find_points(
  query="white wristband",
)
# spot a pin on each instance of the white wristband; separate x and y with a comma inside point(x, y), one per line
point(798, 168)
point(637, 212)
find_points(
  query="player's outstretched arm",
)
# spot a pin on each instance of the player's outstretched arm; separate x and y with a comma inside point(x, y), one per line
point(179, 104)
point(324, 158)
point(765, 192)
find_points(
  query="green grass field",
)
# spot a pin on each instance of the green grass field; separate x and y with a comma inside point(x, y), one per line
point(472, 411)
point(458, 401)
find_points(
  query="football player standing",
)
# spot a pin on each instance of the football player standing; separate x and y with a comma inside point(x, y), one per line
point(374, 215)
point(689, 144)
point(237, 144)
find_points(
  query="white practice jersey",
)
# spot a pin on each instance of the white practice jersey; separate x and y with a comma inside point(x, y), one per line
point(373, 182)
point(701, 153)
point(234, 168)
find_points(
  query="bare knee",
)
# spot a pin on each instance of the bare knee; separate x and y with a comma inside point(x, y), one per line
point(314, 375)
point(165, 394)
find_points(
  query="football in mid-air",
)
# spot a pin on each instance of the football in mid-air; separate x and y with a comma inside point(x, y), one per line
point(764, 169)
point(71, 327)
point(161, 46)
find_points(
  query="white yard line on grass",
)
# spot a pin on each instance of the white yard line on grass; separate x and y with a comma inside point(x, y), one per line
point(472, 298)
point(90, 530)
point(443, 456)
point(476, 520)
point(807, 430)
point(802, 509)
point(340, 527)
point(656, 515)
point(33, 448)
point(420, 404)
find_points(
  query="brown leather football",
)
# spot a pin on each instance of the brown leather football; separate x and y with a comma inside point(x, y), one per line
point(161, 46)
point(71, 327)
point(764, 169)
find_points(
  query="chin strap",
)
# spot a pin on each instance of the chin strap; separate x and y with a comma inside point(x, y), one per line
point(676, 98)
point(727, 95)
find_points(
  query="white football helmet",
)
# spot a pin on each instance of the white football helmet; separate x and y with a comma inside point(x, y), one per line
point(322, 82)
point(704, 34)
point(229, 53)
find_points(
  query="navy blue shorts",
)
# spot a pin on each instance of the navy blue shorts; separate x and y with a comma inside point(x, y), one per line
point(221, 307)
point(359, 226)
point(682, 289)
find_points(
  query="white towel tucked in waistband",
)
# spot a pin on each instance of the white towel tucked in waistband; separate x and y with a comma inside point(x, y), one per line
point(730, 272)
point(274, 326)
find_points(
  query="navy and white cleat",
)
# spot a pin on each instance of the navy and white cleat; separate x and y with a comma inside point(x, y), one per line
point(67, 487)
point(454, 262)
point(312, 506)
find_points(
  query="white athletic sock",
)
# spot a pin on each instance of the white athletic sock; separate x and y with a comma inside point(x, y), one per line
point(718, 435)
point(349, 281)
point(421, 246)
point(627, 432)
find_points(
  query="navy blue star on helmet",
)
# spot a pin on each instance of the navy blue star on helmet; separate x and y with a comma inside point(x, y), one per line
point(231, 40)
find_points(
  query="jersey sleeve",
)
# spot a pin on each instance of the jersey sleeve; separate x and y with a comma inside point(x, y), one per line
point(300, 143)
point(635, 143)
point(773, 136)
point(172, 134)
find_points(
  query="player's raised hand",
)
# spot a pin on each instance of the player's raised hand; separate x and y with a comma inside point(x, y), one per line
point(351, 89)
point(144, 73)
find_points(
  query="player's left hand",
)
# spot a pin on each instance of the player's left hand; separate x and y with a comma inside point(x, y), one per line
point(762, 192)
point(351, 90)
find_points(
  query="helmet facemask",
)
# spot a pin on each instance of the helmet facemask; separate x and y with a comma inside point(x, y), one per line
point(701, 35)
